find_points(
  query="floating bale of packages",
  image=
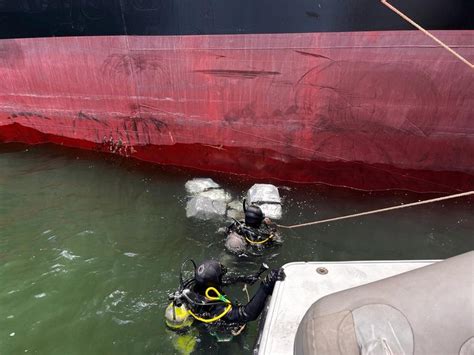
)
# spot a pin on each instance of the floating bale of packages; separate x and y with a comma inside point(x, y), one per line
point(235, 210)
point(196, 186)
point(267, 197)
point(208, 200)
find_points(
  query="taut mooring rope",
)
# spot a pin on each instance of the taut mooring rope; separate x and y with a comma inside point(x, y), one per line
point(379, 210)
point(406, 18)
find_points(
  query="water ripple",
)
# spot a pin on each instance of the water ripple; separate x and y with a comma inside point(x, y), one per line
point(85, 232)
point(122, 321)
point(68, 255)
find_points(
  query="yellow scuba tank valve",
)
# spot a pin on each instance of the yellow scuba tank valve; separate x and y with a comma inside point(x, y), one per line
point(177, 317)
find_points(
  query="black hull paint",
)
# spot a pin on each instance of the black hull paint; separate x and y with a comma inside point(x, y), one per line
point(52, 18)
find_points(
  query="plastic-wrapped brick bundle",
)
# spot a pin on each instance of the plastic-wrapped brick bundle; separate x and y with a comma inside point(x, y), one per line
point(208, 200)
point(267, 197)
point(205, 208)
point(196, 186)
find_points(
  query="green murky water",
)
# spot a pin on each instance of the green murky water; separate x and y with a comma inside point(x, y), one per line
point(90, 247)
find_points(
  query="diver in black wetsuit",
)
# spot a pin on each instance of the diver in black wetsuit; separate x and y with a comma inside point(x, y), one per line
point(205, 301)
point(211, 274)
point(255, 232)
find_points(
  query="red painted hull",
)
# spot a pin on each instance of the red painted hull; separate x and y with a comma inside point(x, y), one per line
point(370, 110)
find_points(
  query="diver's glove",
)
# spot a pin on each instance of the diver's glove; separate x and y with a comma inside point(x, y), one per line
point(232, 279)
point(273, 276)
point(270, 224)
point(250, 279)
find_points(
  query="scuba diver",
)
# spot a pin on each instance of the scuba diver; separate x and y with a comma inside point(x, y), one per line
point(202, 299)
point(252, 234)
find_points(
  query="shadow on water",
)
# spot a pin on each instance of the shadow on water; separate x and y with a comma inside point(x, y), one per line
point(91, 245)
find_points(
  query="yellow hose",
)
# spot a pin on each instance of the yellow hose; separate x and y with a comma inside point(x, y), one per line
point(260, 242)
point(218, 297)
point(210, 320)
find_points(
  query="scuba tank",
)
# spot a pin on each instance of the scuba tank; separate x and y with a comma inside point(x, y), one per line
point(177, 315)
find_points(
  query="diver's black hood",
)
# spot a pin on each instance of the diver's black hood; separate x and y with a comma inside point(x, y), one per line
point(253, 216)
point(209, 273)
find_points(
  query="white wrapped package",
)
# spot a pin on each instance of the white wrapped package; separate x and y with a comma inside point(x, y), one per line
point(267, 197)
point(263, 193)
point(204, 208)
point(199, 185)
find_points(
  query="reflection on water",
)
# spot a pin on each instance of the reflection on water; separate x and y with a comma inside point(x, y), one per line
point(91, 246)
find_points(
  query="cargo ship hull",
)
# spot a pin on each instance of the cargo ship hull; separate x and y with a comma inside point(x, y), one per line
point(366, 109)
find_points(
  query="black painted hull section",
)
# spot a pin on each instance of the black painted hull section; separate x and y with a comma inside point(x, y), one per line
point(52, 18)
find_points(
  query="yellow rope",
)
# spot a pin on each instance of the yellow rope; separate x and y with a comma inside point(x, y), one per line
point(379, 210)
point(238, 331)
point(406, 18)
point(245, 289)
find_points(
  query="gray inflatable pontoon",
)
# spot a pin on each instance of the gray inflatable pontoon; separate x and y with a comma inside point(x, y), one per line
point(405, 307)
